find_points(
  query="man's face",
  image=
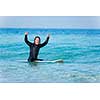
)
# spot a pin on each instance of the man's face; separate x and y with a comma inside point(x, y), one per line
point(37, 41)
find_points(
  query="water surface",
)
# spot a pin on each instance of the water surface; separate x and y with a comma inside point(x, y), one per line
point(79, 48)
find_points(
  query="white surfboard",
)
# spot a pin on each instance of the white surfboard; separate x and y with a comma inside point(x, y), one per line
point(44, 61)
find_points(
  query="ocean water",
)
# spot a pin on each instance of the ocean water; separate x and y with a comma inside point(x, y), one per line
point(79, 48)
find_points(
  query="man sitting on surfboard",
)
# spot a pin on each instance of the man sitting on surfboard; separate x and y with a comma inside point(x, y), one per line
point(35, 47)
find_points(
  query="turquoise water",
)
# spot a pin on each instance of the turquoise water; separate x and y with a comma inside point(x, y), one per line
point(79, 48)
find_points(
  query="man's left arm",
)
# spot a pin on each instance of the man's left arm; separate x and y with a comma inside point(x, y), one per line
point(46, 41)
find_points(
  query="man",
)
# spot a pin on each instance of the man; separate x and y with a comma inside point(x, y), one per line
point(35, 47)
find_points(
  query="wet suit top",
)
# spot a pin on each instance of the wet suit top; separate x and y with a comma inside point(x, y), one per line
point(34, 49)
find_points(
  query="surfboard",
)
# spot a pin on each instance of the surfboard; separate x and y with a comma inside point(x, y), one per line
point(44, 61)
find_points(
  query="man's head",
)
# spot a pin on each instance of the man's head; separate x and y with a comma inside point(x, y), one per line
point(37, 40)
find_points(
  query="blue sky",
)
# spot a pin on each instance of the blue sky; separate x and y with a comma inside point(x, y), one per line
point(50, 21)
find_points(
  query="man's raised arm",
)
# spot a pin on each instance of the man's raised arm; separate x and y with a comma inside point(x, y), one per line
point(46, 41)
point(26, 39)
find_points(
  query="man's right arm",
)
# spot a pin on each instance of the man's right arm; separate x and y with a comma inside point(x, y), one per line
point(26, 39)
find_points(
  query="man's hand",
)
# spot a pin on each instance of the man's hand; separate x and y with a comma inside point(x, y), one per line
point(26, 33)
point(48, 35)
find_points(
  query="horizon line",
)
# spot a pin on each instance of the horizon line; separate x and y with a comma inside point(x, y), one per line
point(43, 28)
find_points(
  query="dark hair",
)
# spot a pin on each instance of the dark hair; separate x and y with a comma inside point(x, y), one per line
point(38, 38)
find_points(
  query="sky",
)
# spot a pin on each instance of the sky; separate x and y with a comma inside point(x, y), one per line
point(50, 22)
